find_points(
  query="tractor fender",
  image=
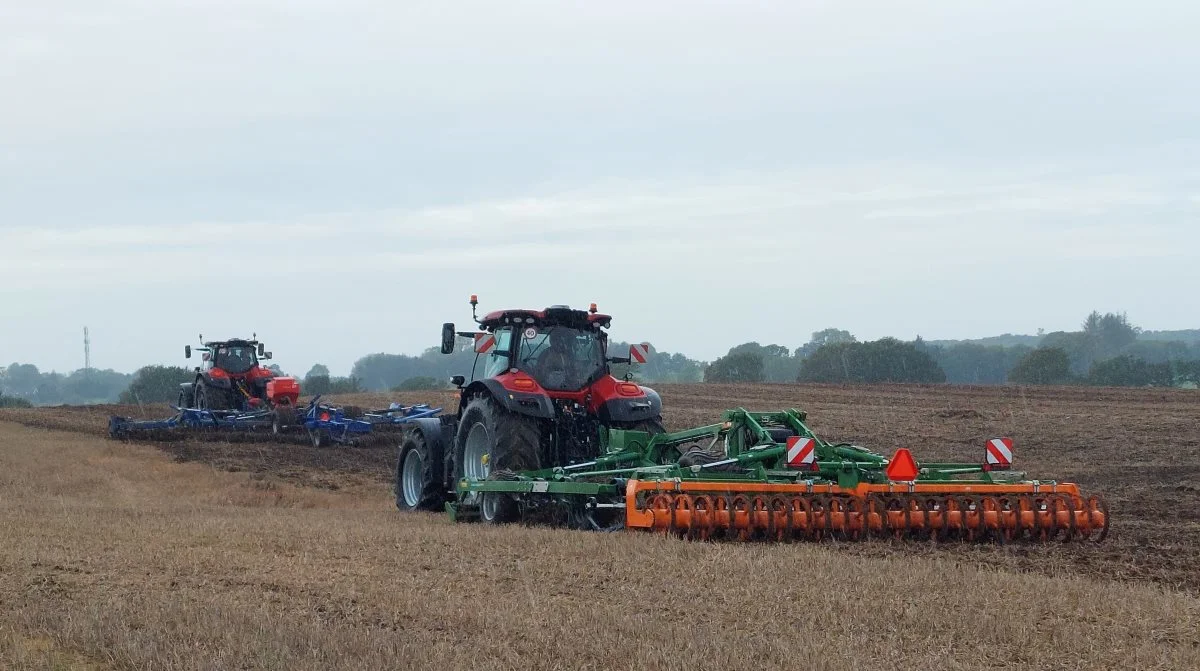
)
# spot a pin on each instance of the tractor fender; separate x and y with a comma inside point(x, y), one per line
point(187, 388)
point(521, 403)
point(632, 409)
point(217, 382)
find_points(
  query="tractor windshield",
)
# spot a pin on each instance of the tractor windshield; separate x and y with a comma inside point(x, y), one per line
point(234, 359)
point(561, 358)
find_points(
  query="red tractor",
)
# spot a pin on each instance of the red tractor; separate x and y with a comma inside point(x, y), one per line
point(232, 377)
point(543, 394)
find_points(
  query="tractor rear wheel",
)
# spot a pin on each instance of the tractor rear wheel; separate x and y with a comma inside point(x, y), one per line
point(208, 397)
point(418, 475)
point(492, 442)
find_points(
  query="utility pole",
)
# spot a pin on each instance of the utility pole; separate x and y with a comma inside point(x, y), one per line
point(87, 351)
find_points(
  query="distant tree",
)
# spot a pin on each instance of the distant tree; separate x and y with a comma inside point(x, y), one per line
point(830, 336)
point(21, 379)
point(1044, 365)
point(735, 367)
point(422, 383)
point(884, 360)
point(661, 367)
point(973, 363)
point(778, 363)
point(1187, 373)
point(93, 386)
point(323, 385)
point(1127, 371)
point(318, 370)
point(1111, 331)
point(156, 384)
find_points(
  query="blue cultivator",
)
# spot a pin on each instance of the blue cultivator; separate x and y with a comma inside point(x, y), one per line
point(330, 423)
point(324, 424)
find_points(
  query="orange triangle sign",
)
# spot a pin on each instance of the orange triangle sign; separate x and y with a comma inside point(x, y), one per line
point(903, 468)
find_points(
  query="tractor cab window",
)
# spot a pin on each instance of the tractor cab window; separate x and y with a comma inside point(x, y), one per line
point(234, 360)
point(497, 361)
point(561, 358)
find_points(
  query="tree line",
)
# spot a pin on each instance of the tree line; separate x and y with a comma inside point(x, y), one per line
point(1106, 350)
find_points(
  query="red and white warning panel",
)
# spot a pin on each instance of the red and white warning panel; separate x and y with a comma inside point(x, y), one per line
point(999, 454)
point(484, 342)
point(639, 352)
point(801, 452)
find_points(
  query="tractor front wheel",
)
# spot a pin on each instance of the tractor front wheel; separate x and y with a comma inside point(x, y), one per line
point(418, 475)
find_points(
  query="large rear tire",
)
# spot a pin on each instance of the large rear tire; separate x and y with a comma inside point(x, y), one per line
point(418, 475)
point(208, 397)
point(490, 443)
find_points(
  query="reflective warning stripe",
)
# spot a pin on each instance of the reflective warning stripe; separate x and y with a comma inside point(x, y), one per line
point(484, 342)
point(640, 353)
point(801, 451)
point(1000, 452)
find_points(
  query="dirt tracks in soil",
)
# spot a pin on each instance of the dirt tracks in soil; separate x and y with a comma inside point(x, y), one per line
point(1138, 448)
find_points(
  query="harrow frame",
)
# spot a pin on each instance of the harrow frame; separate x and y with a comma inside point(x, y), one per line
point(754, 491)
point(324, 424)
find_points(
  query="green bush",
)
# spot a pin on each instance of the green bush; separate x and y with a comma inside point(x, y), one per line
point(1128, 371)
point(420, 383)
point(1044, 365)
point(323, 385)
point(884, 360)
point(156, 384)
point(735, 367)
point(14, 402)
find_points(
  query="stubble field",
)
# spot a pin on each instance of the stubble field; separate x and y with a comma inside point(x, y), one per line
point(195, 554)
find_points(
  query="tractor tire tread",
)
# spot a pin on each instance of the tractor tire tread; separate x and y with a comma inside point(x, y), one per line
point(432, 498)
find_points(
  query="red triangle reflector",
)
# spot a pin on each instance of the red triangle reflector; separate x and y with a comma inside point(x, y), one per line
point(902, 468)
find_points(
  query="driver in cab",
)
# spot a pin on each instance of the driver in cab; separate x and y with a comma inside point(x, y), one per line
point(555, 366)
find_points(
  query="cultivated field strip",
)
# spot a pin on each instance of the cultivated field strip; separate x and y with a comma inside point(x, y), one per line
point(1139, 448)
point(118, 558)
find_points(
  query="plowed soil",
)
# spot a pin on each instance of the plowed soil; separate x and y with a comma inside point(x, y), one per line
point(1138, 448)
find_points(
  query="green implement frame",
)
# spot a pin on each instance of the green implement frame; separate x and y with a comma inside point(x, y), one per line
point(752, 453)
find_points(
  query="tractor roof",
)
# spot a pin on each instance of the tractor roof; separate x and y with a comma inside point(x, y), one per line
point(555, 315)
point(233, 342)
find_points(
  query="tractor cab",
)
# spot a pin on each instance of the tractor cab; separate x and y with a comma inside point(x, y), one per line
point(544, 362)
point(563, 350)
point(235, 358)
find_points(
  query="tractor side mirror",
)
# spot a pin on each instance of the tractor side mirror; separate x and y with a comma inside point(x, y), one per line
point(187, 351)
point(448, 338)
point(267, 356)
point(262, 350)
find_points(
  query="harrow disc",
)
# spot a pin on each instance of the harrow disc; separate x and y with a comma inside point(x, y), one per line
point(702, 511)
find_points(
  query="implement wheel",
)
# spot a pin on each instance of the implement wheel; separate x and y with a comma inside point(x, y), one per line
point(284, 417)
point(418, 475)
point(492, 443)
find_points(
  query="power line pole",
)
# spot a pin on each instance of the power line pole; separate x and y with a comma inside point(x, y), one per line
point(87, 350)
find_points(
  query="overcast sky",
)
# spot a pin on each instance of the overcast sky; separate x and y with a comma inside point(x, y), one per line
point(340, 176)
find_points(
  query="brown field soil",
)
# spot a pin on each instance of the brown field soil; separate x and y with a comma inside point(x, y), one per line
point(280, 555)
